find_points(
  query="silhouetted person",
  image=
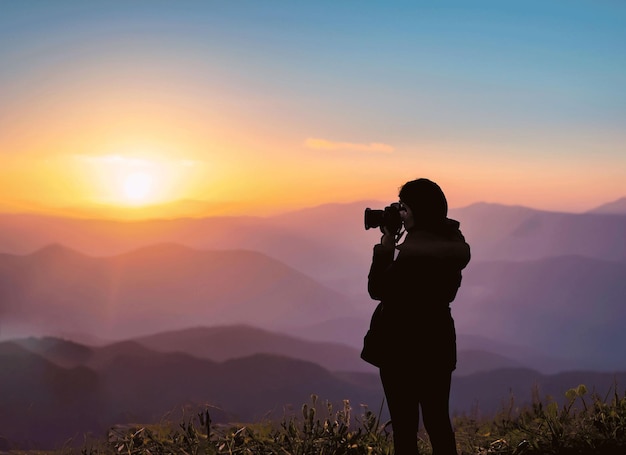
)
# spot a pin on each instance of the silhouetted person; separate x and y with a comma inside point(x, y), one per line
point(415, 289)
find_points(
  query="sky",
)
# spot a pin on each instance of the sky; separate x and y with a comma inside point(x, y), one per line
point(259, 107)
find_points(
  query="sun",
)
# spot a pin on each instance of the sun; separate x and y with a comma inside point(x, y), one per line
point(133, 181)
point(138, 187)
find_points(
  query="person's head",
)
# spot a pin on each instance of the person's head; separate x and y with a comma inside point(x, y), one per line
point(426, 202)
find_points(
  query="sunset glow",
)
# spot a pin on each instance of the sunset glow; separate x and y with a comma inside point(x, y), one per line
point(184, 197)
point(138, 186)
point(136, 104)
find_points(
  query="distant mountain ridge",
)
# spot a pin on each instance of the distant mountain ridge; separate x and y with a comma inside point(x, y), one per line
point(228, 342)
point(617, 207)
point(158, 287)
point(47, 405)
point(336, 257)
point(296, 238)
point(541, 302)
point(518, 233)
point(337, 262)
point(574, 318)
point(221, 343)
point(568, 307)
point(195, 208)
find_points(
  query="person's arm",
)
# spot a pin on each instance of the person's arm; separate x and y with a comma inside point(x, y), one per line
point(377, 279)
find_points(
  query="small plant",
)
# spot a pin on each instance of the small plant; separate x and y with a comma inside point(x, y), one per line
point(544, 428)
point(585, 424)
point(333, 434)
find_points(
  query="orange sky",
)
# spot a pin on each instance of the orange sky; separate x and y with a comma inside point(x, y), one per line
point(113, 105)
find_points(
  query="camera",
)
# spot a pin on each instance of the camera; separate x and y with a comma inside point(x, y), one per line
point(388, 218)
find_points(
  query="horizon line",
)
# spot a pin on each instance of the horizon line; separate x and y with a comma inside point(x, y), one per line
point(208, 209)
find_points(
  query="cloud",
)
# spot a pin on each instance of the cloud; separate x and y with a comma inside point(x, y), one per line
point(323, 144)
point(129, 161)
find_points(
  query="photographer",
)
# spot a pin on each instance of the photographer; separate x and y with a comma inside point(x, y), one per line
point(414, 321)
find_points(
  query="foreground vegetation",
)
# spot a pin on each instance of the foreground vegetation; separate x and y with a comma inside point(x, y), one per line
point(586, 424)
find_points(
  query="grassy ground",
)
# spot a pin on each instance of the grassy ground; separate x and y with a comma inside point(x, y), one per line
point(586, 424)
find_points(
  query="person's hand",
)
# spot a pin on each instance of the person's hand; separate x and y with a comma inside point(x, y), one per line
point(388, 239)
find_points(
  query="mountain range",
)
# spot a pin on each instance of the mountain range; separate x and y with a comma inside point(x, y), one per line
point(60, 390)
point(48, 404)
point(552, 283)
point(92, 311)
point(157, 288)
point(329, 243)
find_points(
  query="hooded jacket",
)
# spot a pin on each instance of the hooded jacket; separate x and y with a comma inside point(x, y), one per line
point(416, 289)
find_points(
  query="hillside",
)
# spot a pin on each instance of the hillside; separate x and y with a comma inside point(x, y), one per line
point(617, 207)
point(500, 232)
point(251, 315)
point(568, 307)
point(126, 383)
point(221, 343)
point(46, 404)
point(231, 342)
point(155, 288)
point(550, 271)
point(337, 257)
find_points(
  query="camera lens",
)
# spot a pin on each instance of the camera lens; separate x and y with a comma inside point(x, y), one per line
point(373, 218)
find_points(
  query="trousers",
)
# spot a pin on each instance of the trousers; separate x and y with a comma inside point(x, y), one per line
point(407, 392)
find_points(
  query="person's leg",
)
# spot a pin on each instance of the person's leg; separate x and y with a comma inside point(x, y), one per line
point(403, 403)
point(435, 402)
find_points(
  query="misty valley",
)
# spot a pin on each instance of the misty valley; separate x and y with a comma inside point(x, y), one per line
point(106, 322)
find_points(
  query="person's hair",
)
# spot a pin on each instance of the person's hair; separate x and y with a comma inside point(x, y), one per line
point(426, 200)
